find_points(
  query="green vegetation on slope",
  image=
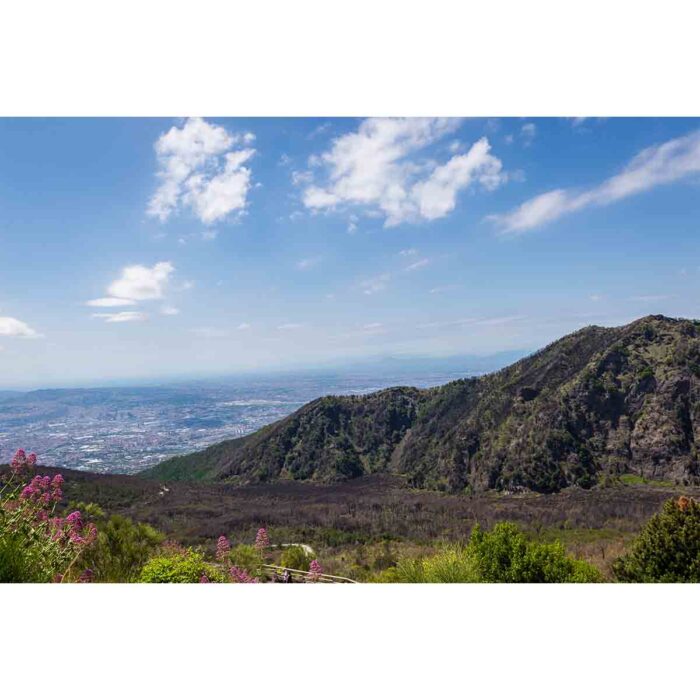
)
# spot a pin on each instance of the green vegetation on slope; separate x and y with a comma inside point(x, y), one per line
point(601, 402)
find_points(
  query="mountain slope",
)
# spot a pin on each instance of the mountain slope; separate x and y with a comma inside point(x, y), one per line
point(331, 438)
point(599, 401)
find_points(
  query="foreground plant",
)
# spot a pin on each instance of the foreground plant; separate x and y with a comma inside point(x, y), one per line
point(502, 555)
point(668, 548)
point(37, 544)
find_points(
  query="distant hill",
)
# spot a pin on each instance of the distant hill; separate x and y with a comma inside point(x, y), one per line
point(601, 401)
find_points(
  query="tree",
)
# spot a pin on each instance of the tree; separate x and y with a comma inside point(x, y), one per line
point(668, 548)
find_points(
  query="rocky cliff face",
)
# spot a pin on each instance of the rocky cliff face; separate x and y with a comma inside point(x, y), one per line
point(599, 401)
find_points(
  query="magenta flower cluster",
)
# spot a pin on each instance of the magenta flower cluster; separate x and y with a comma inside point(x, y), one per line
point(262, 540)
point(72, 529)
point(28, 511)
point(315, 570)
point(43, 490)
point(223, 547)
point(22, 461)
point(238, 575)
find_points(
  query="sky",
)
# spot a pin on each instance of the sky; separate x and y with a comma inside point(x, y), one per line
point(137, 249)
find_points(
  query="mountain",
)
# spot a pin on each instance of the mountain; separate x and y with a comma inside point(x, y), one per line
point(600, 401)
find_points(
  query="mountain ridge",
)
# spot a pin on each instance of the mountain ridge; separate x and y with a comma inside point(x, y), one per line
point(597, 403)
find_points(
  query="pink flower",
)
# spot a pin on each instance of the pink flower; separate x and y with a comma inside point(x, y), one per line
point(75, 520)
point(28, 493)
point(223, 547)
point(20, 461)
point(88, 576)
point(315, 570)
point(241, 576)
point(204, 579)
point(262, 541)
point(56, 491)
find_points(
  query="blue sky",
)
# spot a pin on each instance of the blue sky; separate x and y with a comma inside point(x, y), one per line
point(147, 248)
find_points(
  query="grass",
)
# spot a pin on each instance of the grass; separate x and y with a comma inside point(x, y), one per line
point(636, 480)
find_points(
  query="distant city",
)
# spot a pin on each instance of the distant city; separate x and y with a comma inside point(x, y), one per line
point(128, 429)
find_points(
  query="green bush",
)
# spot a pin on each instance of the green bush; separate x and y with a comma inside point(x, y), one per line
point(506, 555)
point(185, 566)
point(121, 550)
point(248, 558)
point(295, 557)
point(503, 555)
point(668, 548)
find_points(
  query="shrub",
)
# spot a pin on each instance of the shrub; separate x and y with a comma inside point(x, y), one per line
point(121, 550)
point(248, 558)
point(668, 548)
point(295, 557)
point(503, 555)
point(506, 555)
point(186, 566)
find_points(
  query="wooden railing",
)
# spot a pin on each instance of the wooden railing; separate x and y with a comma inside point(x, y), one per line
point(299, 576)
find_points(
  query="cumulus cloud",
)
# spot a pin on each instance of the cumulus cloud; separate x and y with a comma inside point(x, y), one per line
point(139, 283)
point(657, 165)
point(379, 167)
point(122, 316)
point(136, 283)
point(202, 167)
point(14, 327)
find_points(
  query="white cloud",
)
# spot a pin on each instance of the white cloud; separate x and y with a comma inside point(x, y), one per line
point(408, 252)
point(139, 283)
point(301, 177)
point(308, 263)
point(444, 288)
point(379, 167)
point(135, 284)
point(122, 316)
point(200, 168)
point(527, 133)
point(499, 320)
point(243, 326)
point(657, 165)
point(111, 301)
point(14, 327)
point(289, 326)
point(417, 265)
point(375, 284)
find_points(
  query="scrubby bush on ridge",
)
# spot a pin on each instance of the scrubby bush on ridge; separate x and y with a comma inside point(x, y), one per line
point(668, 548)
point(503, 555)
